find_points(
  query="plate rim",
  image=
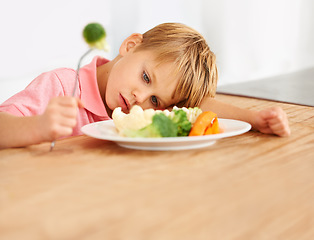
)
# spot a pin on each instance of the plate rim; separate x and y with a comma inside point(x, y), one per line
point(212, 137)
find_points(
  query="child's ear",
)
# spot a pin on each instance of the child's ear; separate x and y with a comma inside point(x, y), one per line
point(130, 42)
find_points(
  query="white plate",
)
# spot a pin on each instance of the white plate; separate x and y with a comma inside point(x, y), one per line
point(106, 130)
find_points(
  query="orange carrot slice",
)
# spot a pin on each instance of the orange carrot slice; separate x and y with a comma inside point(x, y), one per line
point(213, 128)
point(202, 122)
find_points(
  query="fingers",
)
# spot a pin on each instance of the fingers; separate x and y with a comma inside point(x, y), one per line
point(59, 119)
point(277, 121)
point(270, 113)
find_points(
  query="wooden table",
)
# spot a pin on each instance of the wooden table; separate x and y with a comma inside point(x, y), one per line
point(251, 186)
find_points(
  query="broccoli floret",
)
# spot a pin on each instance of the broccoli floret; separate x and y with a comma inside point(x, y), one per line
point(182, 122)
point(95, 35)
point(161, 126)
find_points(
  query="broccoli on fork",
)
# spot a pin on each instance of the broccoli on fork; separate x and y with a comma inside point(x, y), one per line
point(95, 36)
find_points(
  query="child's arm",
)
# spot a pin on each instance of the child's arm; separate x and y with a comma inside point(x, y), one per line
point(58, 120)
point(271, 120)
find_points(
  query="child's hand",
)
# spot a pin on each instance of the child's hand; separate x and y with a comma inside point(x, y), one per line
point(272, 121)
point(59, 118)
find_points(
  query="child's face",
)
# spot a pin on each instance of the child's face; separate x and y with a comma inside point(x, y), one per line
point(136, 79)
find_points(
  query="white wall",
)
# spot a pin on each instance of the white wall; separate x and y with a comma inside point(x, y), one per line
point(252, 38)
point(256, 39)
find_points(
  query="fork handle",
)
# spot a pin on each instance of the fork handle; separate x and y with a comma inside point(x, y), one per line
point(75, 84)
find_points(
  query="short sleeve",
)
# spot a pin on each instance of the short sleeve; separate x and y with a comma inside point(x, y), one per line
point(35, 97)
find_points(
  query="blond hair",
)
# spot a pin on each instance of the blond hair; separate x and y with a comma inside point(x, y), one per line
point(194, 61)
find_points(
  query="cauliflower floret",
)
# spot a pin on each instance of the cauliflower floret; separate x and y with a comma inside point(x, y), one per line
point(139, 118)
point(191, 113)
point(118, 117)
point(136, 119)
point(149, 113)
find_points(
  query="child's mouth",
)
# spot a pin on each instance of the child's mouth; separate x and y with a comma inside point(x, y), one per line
point(124, 104)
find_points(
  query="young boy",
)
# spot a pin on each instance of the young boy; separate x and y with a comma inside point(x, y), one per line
point(169, 65)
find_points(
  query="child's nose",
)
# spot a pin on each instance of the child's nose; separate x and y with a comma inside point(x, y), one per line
point(141, 97)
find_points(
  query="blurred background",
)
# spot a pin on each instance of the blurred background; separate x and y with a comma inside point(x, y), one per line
point(252, 39)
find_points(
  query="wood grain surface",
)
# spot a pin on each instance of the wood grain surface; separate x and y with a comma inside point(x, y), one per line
point(252, 186)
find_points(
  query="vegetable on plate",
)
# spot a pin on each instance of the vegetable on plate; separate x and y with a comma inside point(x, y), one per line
point(155, 123)
point(178, 122)
point(205, 124)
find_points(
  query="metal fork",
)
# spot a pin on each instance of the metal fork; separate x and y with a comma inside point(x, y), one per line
point(75, 84)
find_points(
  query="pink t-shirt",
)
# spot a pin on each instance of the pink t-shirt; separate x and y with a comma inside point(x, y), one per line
point(60, 82)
